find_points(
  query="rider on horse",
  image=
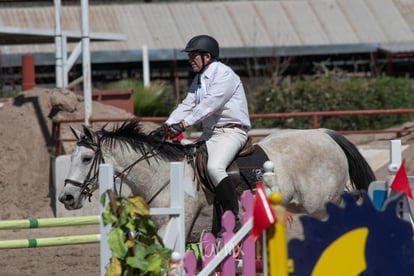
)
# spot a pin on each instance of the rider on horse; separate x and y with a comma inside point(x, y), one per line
point(217, 99)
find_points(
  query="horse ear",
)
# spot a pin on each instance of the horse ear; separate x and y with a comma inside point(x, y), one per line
point(88, 132)
point(75, 132)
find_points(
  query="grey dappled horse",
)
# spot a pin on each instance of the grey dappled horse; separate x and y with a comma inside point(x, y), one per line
point(313, 167)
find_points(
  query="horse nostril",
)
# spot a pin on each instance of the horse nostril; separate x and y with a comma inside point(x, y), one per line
point(66, 198)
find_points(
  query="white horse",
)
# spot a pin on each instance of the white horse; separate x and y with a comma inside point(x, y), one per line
point(312, 167)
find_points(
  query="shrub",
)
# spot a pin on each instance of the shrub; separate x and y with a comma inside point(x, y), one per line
point(136, 247)
point(329, 93)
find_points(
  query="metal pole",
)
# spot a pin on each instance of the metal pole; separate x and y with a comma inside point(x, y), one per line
point(86, 62)
point(28, 72)
point(58, 45)
point(145, 65)
point(65, 70)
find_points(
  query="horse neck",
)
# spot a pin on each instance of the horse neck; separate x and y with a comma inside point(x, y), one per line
point(143, 178)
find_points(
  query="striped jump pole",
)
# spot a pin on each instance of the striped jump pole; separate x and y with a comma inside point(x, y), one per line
point(48, 222)
point(52, 241)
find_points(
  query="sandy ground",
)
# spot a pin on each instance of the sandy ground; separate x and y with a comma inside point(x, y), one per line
point(25, 158)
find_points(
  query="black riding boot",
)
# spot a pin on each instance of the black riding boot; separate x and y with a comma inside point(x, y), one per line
point(226, 199)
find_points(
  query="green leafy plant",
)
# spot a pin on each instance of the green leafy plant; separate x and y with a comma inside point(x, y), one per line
point(155, 100)
point(137, 249)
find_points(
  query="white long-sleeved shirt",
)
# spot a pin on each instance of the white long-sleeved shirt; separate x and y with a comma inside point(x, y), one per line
point(221, 102)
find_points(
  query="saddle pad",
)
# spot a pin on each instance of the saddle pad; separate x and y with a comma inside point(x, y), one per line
point(251, 167)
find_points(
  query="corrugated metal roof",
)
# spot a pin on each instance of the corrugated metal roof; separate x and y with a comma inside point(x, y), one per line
point(301, 24)
point(8, 35)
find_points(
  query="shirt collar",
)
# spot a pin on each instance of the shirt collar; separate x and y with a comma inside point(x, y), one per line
point(209, 71)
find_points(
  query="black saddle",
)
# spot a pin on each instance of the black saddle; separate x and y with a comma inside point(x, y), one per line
point(244, 171)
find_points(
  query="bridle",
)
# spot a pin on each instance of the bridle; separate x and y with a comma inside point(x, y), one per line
point(86, 185)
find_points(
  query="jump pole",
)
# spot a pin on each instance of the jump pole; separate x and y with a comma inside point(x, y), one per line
point(52, 241)
point(48, 222)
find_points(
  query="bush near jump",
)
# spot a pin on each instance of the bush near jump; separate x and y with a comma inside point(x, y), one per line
point(136, 247)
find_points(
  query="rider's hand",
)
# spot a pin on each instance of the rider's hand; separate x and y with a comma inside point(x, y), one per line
point(176, 129)
point(161, 132)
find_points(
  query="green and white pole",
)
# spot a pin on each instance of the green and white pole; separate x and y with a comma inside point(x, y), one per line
point(48, 222)
point(52, 241)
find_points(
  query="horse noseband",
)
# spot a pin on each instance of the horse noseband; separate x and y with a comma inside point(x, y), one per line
point(84, 186)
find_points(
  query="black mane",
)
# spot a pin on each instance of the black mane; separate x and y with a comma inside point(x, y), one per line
point(130, 133)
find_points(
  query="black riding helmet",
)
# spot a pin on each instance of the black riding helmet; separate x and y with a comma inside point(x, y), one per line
point(203, 43)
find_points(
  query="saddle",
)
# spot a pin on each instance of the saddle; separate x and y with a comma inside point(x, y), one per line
point(244, 170)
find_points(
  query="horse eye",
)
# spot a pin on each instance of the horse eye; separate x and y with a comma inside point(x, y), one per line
point(87, 159)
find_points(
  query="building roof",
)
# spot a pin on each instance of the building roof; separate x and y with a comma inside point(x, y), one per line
point(26, 36)
point(243, 28)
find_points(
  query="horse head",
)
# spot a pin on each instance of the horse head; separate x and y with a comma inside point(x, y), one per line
point(124, 146)
point(82, 179)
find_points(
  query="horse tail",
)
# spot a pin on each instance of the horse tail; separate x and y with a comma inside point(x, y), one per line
point(360, 172)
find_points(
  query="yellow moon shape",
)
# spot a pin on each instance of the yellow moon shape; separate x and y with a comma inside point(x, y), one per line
point(345, 256)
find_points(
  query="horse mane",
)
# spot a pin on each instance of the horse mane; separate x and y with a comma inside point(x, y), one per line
point(130, 133)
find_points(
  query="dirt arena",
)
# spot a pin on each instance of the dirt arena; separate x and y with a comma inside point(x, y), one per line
point(25, 160)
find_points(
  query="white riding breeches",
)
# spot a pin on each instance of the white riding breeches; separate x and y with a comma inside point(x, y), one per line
point(222, 146)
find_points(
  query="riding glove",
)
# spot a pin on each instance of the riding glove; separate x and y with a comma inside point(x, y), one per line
point(161, 132)
point(175, 129)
